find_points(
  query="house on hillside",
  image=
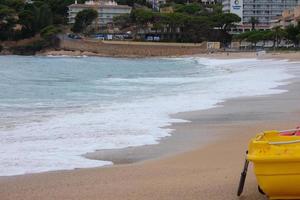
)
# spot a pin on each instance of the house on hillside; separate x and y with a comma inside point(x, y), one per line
point(106, 9)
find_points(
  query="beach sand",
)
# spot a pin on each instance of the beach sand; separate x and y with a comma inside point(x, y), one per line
point(180, 52)
point(202, 160)
point(286, 55)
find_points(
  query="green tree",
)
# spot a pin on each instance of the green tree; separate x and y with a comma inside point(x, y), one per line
point(270, 36)
point(228, 20)
point(49, 32)
point(254, 37)
point(197, 29)
point(17, 5)
point(298, 38)
point(191, 9)
point(45, 16)
point(59, 9)
point(49, 35)
point(242, 36)
point(175, 21)
point(28, 22)
point(84, 19)
point(6, 13)
point(266, 36)
point(8, 21)
point(35, 12)
point(142, 17)
point(224, 21)
point(279, 34)
point(253, 21)
point(122, 21)
point(291, 34)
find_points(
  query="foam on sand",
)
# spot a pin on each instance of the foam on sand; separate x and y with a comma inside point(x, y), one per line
point(133, 112)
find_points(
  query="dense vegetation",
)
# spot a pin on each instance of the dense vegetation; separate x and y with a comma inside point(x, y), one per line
point(192, 22)
point(19, 20)
point(188, 23)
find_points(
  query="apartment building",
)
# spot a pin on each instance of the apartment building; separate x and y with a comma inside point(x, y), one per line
point(262, 10)
point(156, 4)
point(287, 18)
point(107, 10)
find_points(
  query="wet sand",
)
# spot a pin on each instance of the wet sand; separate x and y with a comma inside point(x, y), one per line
point(285, 55)
point(291, 55)
point(199, 169)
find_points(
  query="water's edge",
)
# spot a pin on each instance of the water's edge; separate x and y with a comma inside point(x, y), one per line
point(176, 141)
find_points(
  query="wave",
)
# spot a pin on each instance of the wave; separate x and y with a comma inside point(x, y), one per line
point(135, 117)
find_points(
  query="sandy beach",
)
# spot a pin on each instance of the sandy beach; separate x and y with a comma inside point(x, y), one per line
point(202, 160)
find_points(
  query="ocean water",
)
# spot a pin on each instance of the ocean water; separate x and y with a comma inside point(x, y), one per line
point(55, 109)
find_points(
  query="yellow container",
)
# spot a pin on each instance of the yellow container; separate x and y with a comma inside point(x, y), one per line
point(276, 161)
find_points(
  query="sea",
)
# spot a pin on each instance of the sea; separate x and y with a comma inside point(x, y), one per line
point(53, 110)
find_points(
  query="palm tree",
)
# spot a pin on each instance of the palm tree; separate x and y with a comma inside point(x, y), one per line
point(253, 21)
point(279, 34)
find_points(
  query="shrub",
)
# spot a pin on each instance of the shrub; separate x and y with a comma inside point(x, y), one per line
point(49, 32)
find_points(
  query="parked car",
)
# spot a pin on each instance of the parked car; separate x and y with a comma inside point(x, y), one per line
point(149, 38)
point(118, 37)
point(127, 37)
point(74, 36)
point(156, 38)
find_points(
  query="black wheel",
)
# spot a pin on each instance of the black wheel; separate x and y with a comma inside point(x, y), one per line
point(260, 190)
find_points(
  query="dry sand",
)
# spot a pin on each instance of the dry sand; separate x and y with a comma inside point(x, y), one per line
point(210, 171)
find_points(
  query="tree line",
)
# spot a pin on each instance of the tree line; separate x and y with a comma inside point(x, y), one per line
point(290, 34)
point(189, 22)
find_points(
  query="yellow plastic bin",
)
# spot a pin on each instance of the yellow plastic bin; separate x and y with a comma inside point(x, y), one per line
point(276, 163)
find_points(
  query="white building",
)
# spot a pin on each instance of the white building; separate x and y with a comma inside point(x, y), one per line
point(107, 10)
point(262, 10)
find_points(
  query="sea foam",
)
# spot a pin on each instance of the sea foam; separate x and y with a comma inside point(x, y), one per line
point(52, 133)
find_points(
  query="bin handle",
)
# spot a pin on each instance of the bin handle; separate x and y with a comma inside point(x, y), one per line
point(285, 142)
point(289, 130)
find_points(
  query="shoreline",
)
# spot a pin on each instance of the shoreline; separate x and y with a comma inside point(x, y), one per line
point(177, 142)
point(284, 55)
point(169, 146)
point(226, 119)
point(292, 56)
